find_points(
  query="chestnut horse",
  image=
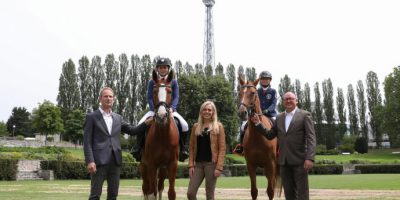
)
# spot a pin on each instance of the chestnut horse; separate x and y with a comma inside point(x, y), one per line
point(258, 150)
point(160, 156)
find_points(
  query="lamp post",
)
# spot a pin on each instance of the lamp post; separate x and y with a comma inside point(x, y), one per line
point(13, 130)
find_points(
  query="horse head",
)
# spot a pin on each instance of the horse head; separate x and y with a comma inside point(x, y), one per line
point(248, 98)
point(162, 97)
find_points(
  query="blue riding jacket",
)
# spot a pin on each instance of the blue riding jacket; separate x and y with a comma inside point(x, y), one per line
point(175, 94)
point(268, 101)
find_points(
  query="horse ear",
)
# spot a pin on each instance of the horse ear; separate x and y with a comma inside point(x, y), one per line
point(241, 80)
point(170, 75)
point(155, 79)
point(256, 82)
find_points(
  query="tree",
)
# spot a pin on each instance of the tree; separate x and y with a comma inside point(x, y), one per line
point(231, 76)
point(188, 69)
point(374, 101)
point(85, 83)
point(390, 112)
point(133, 108)
point(340, 105)
point(351, 103)
point(68, 97)
point(47, 119)
point(329, 113)
point(251, 74)
point(3, 129)
point(20, 119)
point(198, 68)
point(219, 70)
point(145, 71)
point(307, 98)
point(208, 71)
point(111, 71)
point(285, 85)
point(123, 88)
point(362, 107)
point(178, 67)
point(299, 93)
point(318, 115)
point(98, 77)
point(74, 126)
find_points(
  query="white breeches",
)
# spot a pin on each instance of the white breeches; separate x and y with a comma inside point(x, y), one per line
point(184, 124)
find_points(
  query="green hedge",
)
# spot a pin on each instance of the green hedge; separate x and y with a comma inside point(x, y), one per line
point(241, 169)
point(378, 169)
point(327, 169)
point(9, 169)
point(77, 170)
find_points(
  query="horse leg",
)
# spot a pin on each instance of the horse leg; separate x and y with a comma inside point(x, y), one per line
point(172, 168)
point(252, 173)
point(162, 173)
point(269, 172)
point(150, 182)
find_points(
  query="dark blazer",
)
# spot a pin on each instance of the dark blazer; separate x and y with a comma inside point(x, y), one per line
point(98, 144)
point(298, 143)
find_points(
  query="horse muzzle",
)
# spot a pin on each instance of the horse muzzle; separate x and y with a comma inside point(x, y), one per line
point(162, 115)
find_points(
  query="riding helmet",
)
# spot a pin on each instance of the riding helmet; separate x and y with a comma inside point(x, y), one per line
point(163, 61)
point(265, 74)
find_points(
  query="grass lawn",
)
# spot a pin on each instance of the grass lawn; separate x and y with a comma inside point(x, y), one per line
point(131, 189)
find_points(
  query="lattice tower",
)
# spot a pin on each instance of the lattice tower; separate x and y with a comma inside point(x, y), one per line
point(208, 48)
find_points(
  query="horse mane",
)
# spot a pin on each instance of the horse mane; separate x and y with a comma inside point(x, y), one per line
point(169, 78)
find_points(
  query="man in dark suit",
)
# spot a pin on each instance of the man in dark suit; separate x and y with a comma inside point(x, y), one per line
point(102, 146)
point(296, 137)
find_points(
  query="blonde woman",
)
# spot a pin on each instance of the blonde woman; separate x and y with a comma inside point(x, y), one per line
point(206, 151)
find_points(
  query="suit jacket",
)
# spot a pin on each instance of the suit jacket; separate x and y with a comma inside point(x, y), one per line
point(99, 144)
point(298, 143)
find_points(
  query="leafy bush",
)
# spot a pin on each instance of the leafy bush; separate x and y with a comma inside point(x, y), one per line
point(378, 169)
point(20, 137)
point(8, 169)
point(361, 145)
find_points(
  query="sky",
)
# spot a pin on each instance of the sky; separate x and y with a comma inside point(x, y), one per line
point(309, 40)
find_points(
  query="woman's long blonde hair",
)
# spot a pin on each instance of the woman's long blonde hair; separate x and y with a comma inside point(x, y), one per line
point(214, 124)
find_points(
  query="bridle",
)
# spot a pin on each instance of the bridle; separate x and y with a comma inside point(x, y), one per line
point(162, 103)
point(250, 109)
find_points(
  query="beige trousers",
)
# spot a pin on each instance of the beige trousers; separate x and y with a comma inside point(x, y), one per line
point(202, 170)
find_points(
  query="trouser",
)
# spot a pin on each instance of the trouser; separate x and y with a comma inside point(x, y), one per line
point(295, 182)
point(202, 170)
point(110, 172)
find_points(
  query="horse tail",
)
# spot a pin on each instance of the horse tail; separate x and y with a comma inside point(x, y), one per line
point(278, 178)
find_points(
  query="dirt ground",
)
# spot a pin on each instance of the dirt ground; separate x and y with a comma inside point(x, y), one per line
point(315, 194)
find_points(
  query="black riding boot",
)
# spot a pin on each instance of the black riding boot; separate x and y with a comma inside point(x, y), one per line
point(239, 148)
point(183, 151)
point(138, 146)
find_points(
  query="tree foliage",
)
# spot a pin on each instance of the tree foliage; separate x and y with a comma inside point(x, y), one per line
point(340, 106)
point(352, 108)
point(123, 88)
point(374, 101)
point(68, 91)
point(98, 78)
point(85, 83)
point(307, 98)
point(390, 112)
point(329, 113)
point(47, 119)
point(74, 126)
point(318, 115)
point(362, 108)
point(20, 119)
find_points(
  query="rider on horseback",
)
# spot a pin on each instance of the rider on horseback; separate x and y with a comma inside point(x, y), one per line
point(163, 66)
point(268, 99)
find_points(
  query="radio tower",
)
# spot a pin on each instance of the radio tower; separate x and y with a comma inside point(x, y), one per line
point(208, 48)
